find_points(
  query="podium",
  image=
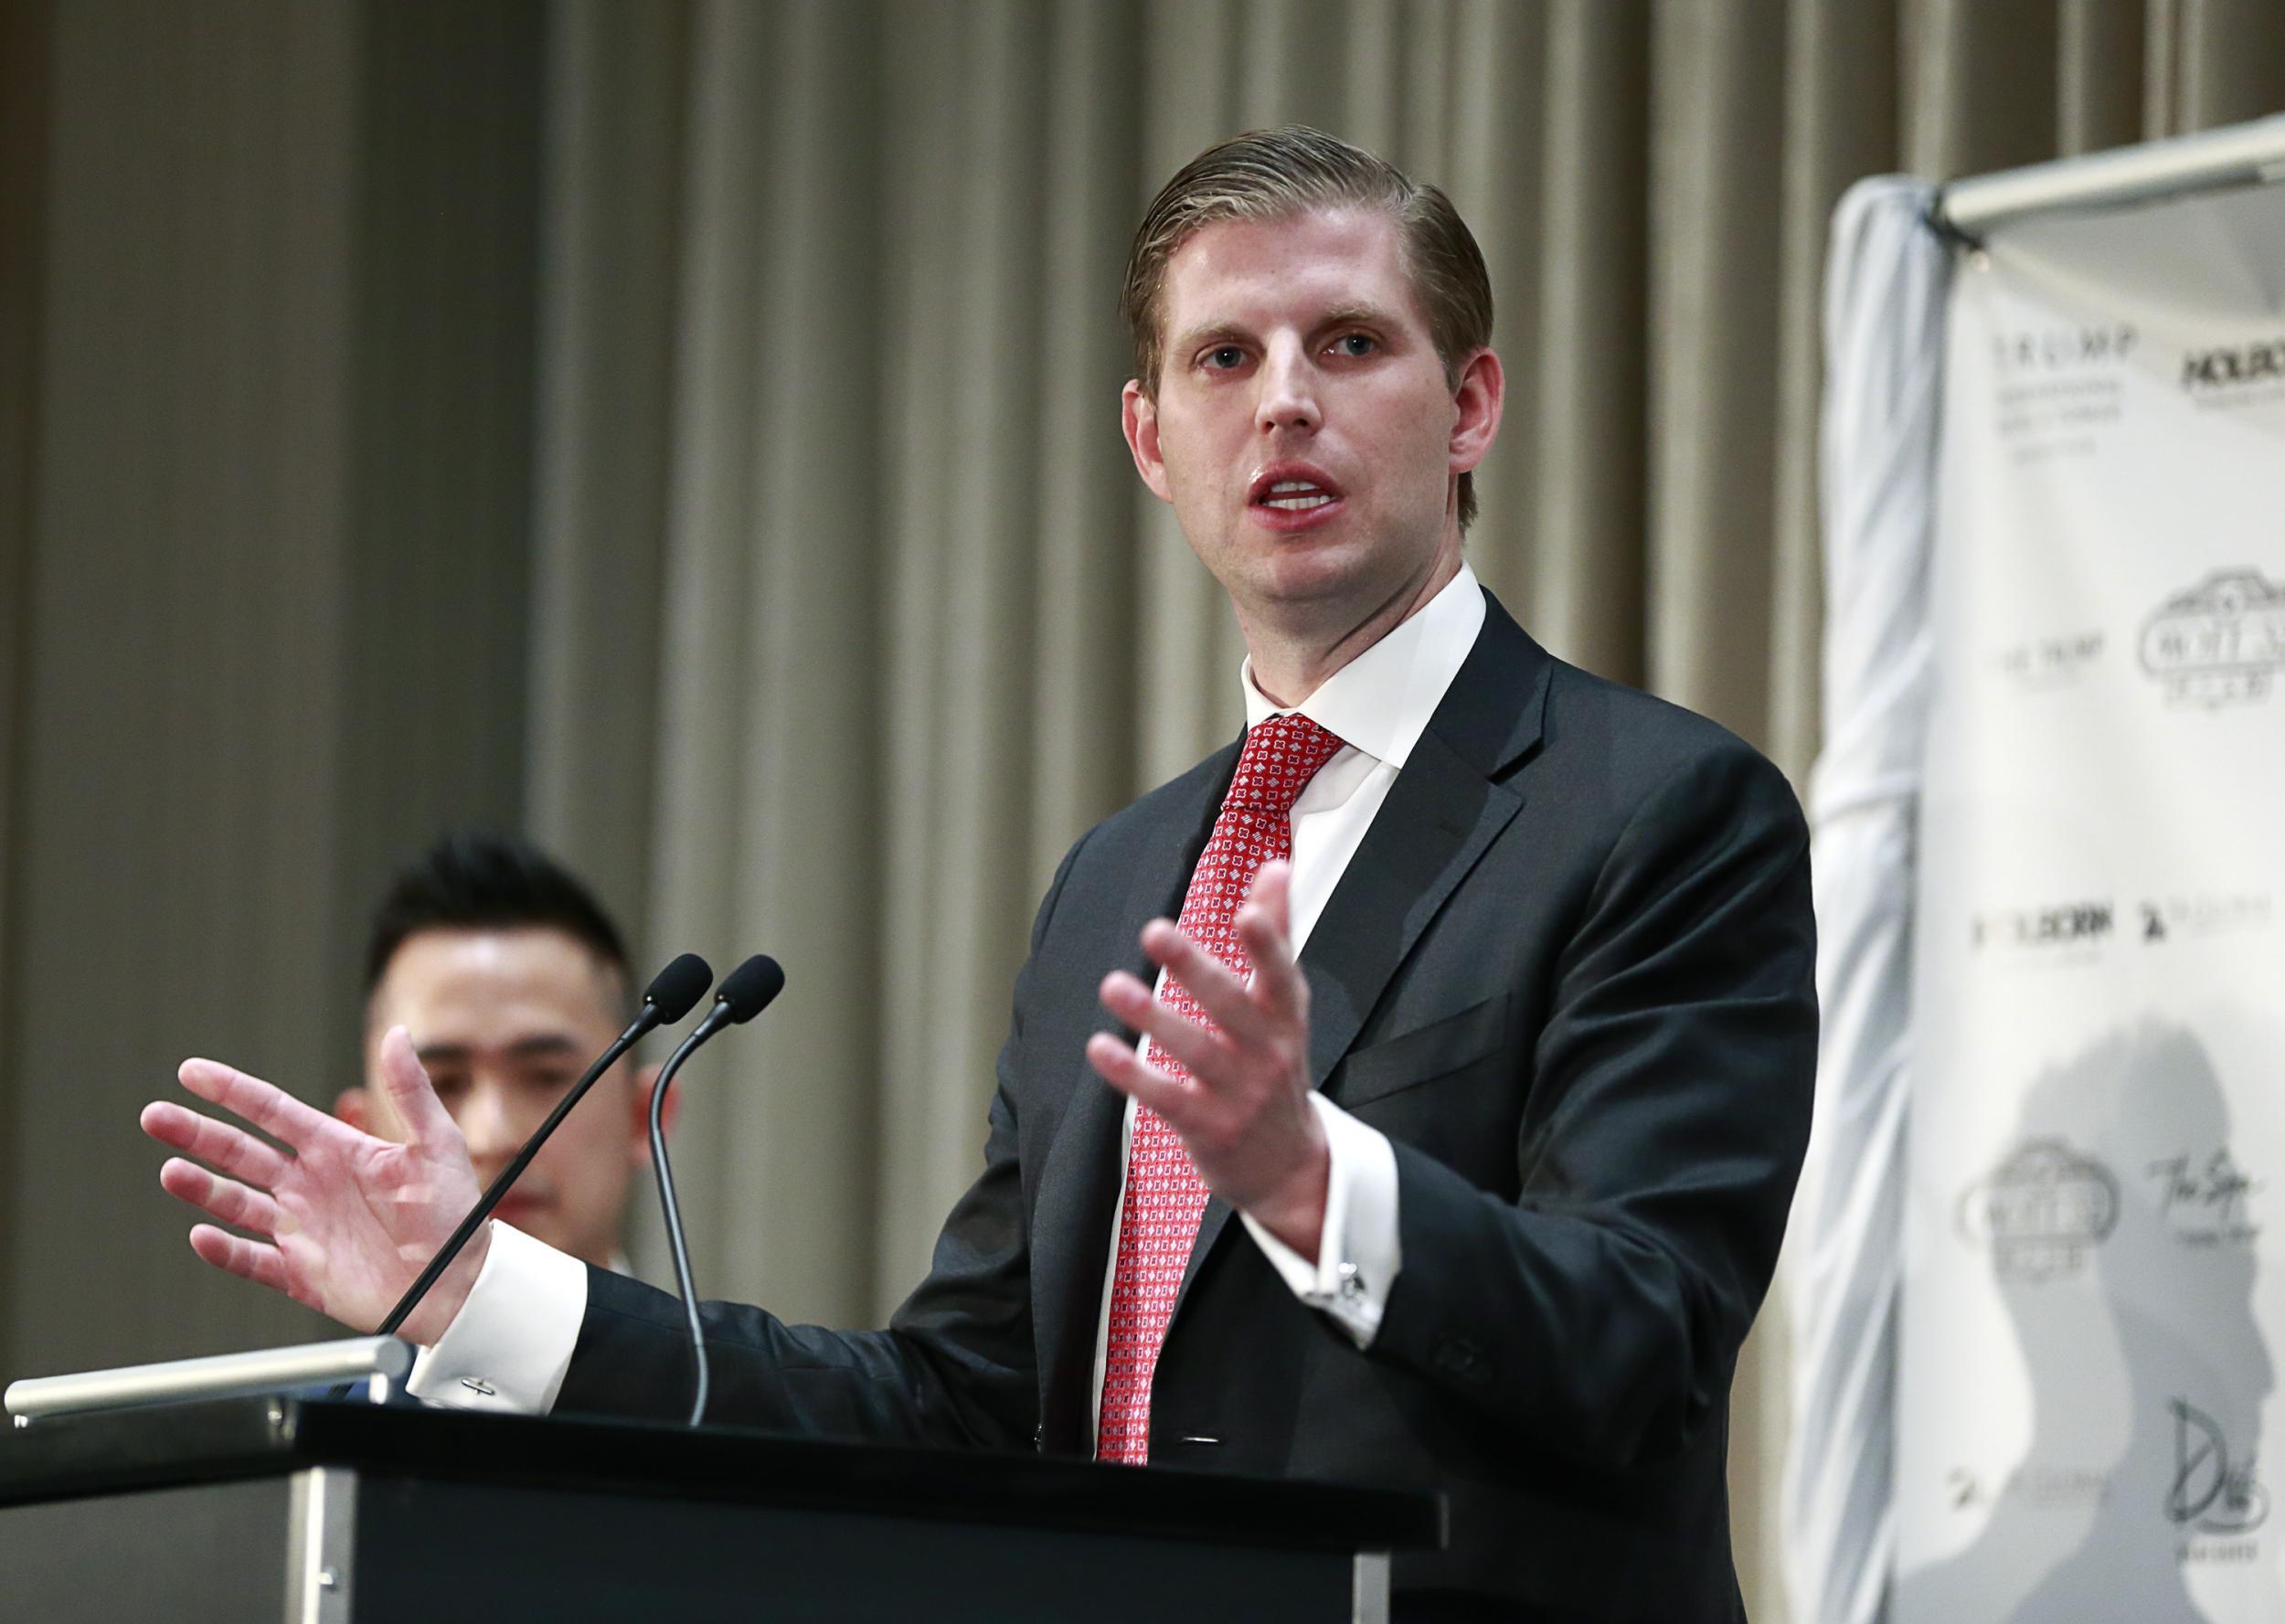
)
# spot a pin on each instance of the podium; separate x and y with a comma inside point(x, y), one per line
point(320, 1512)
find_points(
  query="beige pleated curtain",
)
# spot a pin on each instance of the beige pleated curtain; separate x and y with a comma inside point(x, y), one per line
point(729, 486)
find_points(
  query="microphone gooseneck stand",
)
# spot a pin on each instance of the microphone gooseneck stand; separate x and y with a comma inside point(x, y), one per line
point(744, 992)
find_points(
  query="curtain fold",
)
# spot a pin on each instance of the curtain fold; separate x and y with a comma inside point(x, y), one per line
point(25, 33)
point(923, 321)
point(1578, 565)
point(1715, 165)
point(618, 87)
point(980, 886)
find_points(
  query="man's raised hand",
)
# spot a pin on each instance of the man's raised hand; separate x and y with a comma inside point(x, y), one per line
point(1243, 1112)
point(341, 1221)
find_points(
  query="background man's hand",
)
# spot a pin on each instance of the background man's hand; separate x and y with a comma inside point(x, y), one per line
point(343, 1222)
point(1244, 1111)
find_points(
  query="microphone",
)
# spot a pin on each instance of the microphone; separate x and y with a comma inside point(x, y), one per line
point(669, 998)
point(744, 993)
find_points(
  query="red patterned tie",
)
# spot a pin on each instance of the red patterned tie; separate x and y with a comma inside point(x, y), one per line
point(1165, 1197)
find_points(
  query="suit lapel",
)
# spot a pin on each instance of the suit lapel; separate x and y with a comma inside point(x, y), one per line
point(1079, 1189)
point(1078, 1186)
point(1448, 804)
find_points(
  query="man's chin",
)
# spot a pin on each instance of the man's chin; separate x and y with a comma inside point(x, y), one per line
point(572, 1246)
point(1322, 583)
point(603, 1253)
point(538, 1219)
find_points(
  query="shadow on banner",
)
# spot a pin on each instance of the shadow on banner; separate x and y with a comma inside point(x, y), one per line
point(2145, 1416)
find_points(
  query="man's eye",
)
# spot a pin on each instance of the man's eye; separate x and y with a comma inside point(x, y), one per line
point(1223, 358)
point(1356, 344)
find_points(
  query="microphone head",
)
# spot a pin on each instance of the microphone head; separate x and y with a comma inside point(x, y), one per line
point(675, 992)
point(749, 989)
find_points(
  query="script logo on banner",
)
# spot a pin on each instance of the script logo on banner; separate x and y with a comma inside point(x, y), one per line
point(2040, 1212)
point(2203, 1200)
point(2221, 643)
point(2214, 1490)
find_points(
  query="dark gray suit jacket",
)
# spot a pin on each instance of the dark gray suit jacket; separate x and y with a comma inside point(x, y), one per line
point(1568, 974)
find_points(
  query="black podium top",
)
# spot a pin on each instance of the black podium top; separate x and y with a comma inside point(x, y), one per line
point(74, 1456)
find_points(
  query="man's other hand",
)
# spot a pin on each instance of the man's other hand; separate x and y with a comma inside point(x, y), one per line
point(340, 1220)
point(1243, 1112)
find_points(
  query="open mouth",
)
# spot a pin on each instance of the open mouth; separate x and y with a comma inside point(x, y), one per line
point(1289, 494)
point(1296, 495)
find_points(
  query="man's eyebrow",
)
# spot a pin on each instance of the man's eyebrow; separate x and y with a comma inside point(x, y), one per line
point(1357, 315)
point(1197, 337)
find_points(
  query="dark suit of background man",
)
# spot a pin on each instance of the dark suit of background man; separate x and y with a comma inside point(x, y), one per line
point(1512, 1145)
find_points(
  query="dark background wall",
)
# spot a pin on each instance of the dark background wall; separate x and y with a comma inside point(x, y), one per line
point(268, 313)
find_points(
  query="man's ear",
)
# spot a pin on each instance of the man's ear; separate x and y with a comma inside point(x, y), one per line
point(1479, 399)
point(1138, 418)
point(353, 1107)
point(639, 1124)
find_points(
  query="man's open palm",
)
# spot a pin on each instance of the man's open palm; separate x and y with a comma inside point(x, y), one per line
point(340, 1220)
point(1243, 1109)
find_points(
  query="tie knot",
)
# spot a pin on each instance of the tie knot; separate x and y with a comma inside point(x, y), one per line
point(1282, 755)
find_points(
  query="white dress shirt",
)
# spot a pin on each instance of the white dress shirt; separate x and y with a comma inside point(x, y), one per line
point(512, 1342)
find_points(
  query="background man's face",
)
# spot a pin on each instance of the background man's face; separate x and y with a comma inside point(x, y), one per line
point(505, 1021)
point(1295, 351)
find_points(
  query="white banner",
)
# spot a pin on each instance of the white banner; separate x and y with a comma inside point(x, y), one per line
point(2094, 1297)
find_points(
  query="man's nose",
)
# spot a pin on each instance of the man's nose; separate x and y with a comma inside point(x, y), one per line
point(487, 1123)
point(1289, 391)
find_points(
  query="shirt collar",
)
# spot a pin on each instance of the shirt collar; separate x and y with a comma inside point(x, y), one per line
point(1380, 702)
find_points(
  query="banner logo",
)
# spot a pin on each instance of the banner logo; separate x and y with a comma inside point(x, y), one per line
point(2059, 924)
point(2047, 663)
point(2203, 370)
point(2218, 644)
point(2204, 1201)
point(2055, 349)
point(2040, 1212)
point(2058, 390)
point(2197, 915)
point(2211, 1493)
point(2042, 1487)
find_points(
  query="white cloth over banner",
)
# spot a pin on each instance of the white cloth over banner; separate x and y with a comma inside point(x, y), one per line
point(1884, 352)
point(2093, 1292)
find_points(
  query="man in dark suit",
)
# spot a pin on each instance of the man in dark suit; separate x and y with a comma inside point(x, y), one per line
point(1488, 1012)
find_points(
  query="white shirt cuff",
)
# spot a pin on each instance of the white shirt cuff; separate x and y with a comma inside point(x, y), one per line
point(1358, 1252)
point(507, 1348)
